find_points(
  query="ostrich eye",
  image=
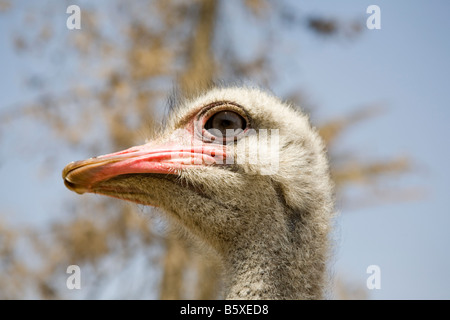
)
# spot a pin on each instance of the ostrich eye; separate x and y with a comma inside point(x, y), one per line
point(223, 120)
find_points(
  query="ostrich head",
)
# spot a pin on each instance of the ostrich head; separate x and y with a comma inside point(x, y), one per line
point(243, 172)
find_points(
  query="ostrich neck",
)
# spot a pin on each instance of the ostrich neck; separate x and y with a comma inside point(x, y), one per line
point(252, 276)
point(275, 269)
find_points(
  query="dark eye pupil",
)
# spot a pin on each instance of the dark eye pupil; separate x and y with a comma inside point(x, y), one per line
point(223, 125)
point(225, 120)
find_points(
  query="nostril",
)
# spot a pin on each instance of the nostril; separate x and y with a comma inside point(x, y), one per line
point(72, 186)
point(69, 184)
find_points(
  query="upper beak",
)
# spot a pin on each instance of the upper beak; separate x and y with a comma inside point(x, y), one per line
point(166, 158)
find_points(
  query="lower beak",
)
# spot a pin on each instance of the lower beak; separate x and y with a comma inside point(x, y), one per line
point(81, 176)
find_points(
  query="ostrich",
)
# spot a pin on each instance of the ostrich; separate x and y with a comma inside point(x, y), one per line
point(270, 227)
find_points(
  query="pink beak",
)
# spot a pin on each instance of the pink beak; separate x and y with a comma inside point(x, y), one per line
point(167, 158)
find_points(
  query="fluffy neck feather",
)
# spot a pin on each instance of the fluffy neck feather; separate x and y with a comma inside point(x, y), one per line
point(289, 262)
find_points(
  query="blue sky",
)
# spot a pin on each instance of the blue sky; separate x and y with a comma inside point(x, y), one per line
point(404, 66)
